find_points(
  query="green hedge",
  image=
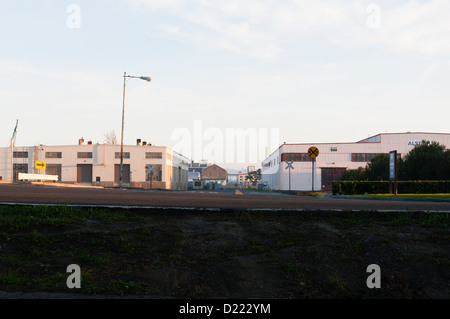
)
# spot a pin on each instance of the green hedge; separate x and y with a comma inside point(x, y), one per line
point(382, 187)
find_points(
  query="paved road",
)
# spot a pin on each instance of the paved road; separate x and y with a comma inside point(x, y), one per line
point(39, 194)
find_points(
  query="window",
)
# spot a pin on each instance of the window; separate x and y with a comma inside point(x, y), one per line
point(125, 154)
point(363, 157)
point(23, 168)
point(84, 155)
point(53, 154)
point(153, 155)
point(296, 157)
point(20, 155)
point(155, 174)
point(19, 168)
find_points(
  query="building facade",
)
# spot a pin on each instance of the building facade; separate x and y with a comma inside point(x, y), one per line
point(215, 174)
point(334, 159)
point(144, 166)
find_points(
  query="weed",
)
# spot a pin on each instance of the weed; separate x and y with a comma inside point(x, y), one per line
point(197, 292)
point(131, 287)
point(13, 278)
point(339, 286)
point(434, 219)
point(297, 270)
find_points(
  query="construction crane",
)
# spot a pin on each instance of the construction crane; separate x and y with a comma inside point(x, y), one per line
point(13, 137)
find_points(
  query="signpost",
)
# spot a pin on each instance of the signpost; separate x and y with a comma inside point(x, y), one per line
point(393, 172)
point(289, 166)
point(313, 152)
point(150, 170)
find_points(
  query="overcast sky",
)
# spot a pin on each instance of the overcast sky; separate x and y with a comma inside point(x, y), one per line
point(306, 71)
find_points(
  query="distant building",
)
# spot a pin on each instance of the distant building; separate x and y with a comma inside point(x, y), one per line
point(197, 167)
point(144, 166)
point(251, 169)
point(192, 176)
point(215, 174)
point(334, 159)
point(205, 176)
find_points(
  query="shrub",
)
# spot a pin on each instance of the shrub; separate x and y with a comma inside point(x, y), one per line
point(382, 187)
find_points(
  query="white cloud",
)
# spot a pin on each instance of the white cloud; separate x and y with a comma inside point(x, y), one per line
point(24, 69)
point(262, 28)
point(420, 27)
point(257, 28)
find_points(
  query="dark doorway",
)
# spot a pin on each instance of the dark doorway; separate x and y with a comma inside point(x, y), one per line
point(330, 175)
point(125, 173)
point(84, 173)
point(54, 169)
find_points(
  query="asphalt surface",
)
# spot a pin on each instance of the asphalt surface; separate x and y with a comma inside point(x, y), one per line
point(219, 200)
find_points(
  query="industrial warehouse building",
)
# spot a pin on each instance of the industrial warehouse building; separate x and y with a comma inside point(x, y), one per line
point(334, 159)
point(144, 165)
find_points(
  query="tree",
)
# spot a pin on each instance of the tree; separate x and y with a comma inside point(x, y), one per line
point(427, 161)
point(254, 176)
point(358, 174)
point(378, 168)
point(110, 138)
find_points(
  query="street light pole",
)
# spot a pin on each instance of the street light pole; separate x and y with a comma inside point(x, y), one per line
point(125, 76)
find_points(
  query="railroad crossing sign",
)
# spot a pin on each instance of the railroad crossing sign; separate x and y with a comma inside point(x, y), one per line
point(150, 169)
point(289, 164)
point(40, 165)
point(313, 152)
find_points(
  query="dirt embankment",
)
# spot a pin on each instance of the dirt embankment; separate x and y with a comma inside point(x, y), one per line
point(195, 254)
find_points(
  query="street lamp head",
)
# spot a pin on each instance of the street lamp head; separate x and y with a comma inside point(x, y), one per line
point(146, 78)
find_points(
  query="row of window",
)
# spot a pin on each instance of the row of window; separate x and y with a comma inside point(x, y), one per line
point(304, 157)
point(89, 155)
point(363, 157)
point(296, 157)
point(55, 169)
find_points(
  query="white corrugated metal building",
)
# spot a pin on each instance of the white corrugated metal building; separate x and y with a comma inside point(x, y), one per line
point(334, 159)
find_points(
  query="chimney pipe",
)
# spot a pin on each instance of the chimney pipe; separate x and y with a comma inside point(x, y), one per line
point(138, 141)
point(81, 141)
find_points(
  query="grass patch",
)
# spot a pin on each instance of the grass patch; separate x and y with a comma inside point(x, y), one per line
point(418, 196)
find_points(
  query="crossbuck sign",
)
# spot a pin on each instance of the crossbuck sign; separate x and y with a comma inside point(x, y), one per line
point(150, 169)
point(289, 165)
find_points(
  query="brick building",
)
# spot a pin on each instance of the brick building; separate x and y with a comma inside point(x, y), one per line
point(215, 173)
